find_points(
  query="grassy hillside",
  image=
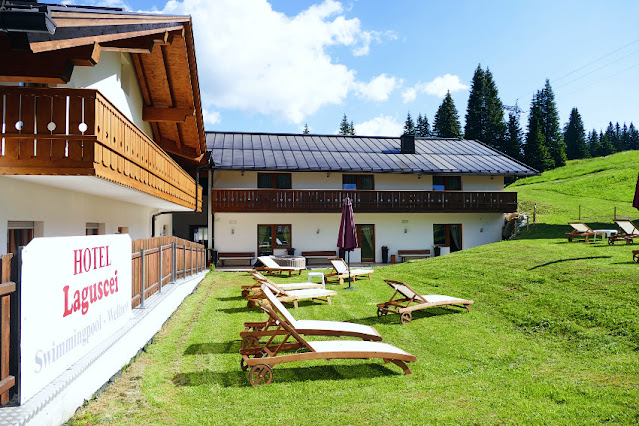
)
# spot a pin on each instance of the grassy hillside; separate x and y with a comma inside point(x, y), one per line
point(553, 337)
point(598, 185)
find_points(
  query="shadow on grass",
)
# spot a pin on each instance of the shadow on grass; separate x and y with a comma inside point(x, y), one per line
point(213, 348)
point(239, 378)
point(229, 299)
point(242, 309)
point(548, 231)
point(569, 260)
point(395, 318)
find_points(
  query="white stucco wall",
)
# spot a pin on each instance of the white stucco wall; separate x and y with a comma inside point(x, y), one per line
point(318, 231)
point(114, 76)
point(65, 213)
point(383, 181)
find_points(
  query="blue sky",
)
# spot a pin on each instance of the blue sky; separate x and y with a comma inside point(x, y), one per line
point(274, 66)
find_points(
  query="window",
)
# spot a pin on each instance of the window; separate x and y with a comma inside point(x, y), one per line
point(270, 237)
point(363, 182)
point(274, 180)
point(92, 228)
point(19, 233)
point(448, 236)
point(447, 183)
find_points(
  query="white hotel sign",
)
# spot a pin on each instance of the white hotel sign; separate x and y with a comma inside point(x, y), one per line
point(75, 292)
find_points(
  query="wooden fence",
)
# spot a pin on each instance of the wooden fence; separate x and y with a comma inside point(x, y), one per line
point(155, 263)
point(161, 260)
point(9, 321)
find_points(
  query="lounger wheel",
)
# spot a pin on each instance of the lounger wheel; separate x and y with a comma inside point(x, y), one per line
point(261, 374)
point(245, 293)
point(379, 312)
point(611, 242)
point(250, 342)
point(251, 304)
point(407, 317)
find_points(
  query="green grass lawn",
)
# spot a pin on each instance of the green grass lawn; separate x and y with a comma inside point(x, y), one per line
point(552, 339)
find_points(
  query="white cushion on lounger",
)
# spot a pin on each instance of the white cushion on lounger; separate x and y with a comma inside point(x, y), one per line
point(334, 326)
point(355, 346)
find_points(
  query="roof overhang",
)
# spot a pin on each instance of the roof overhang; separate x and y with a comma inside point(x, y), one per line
point(44, 43)
point(98, 187)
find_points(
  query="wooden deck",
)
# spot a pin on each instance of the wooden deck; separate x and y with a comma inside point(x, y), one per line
point(59, 131)
point(330, 201)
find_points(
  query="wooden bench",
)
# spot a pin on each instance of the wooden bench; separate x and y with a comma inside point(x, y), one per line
point(318, 254)
point(222, 256)
point(417, 254)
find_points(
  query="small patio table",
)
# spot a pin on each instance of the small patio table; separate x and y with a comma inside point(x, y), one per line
point(320, 275)
point(603, 232)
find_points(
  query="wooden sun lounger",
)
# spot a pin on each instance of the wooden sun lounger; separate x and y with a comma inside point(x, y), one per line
point(253, 331)
point(294, 296)
point(412, 301)
point(270, 266)
point(261, 364)
point(254, 289)
point(628, 234)
point(579, 229)
point(340, 270)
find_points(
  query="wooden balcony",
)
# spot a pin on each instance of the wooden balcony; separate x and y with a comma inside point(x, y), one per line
point(60, 131)
point(329, 201)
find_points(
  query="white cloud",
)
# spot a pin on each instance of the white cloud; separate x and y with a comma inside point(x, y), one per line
point(382, 125)
point(437, 87)
point(210, 118)
point(254, 59)
point(378, 89)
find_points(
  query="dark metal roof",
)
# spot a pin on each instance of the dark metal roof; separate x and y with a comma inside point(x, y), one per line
point(336, 153)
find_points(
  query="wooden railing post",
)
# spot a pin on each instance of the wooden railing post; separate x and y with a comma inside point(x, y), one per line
point(191, 261)
point(184, 264)
point(143, 284)
point(174, 262)
point(160, 272)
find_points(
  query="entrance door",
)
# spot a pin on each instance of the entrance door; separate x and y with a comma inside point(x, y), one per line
point(199, 234)
point(366, 239)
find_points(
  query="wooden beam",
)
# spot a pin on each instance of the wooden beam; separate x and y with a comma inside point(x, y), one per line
point(173, 148)
point(144, 44)
point(49, 45)
point(167, 115)
point(7, 288)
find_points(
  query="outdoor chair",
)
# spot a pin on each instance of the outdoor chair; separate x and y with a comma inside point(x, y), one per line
point(579, 229)
point(409, 300)
point(629, 232)
point(254, 289)
point(293, 296)
point(270, 266)
point(340, 271)
point(253, 331)
point(293, 347)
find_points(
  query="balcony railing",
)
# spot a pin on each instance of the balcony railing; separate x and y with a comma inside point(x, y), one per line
point(321, 201)
point(59, 131)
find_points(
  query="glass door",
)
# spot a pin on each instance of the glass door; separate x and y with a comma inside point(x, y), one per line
point(448, 236)
point(366, 239)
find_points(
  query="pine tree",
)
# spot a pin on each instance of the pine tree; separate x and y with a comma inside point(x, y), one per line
point(495, 125)
point(606, 145)
point(475, 127)
point(305, 131)
point(594, 144)
point(549, 121)
point(609, 140)
point(633, 137)
point(575, 137)
point(625, 137)
point(536, 154)
point(409, 126)
point(485, 111)
point(344, 127)
point(535, 120)
point(514, 137)
point(351, 129)
point(446, 124)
